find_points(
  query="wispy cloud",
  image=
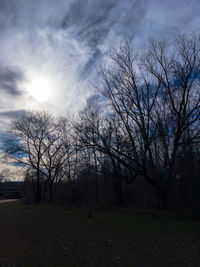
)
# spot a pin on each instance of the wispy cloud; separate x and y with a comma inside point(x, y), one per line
point(68, 39)
point(9, 80)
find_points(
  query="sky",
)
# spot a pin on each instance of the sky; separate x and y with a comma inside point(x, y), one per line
point(50, 49)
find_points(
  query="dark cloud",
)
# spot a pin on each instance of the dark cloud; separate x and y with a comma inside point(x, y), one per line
point(90, 64)
point(14, 114)
point(92, 21)
point(69, 38)
point(9, 80)
point(65, 40)
point(6, 117)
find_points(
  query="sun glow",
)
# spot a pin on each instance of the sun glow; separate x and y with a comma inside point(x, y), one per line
point(41, 87)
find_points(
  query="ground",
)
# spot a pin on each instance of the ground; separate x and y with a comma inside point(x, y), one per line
point(54, 236)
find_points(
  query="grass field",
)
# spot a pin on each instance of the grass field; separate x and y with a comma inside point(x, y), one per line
point(53, 236)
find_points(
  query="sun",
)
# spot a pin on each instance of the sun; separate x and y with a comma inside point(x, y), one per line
point(41, 87)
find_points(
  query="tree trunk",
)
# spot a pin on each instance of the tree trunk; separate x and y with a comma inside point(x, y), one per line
point(51, 192)
point(162, 199)
point(38, 188)
point(117, 185)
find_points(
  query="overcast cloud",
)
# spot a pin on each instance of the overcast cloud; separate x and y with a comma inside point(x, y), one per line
point(66, 40)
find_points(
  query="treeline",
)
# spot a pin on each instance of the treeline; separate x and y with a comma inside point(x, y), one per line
point(139, 131)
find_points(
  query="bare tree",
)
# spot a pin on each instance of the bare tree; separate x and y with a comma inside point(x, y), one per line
point(1, 177)
point(153, 100)
point(177, 70)
point(58, 150)
point(103, 137)
point(143, 117)
point(39, 141)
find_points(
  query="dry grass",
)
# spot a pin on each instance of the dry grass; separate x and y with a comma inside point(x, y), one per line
point(53, 236)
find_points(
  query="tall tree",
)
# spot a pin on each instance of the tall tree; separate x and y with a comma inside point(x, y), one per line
point(39, 141)
point(153, 99)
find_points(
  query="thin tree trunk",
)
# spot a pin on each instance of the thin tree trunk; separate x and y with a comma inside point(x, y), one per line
point(38, 187)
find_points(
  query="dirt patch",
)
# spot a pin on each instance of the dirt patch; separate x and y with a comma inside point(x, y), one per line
point(7, 200)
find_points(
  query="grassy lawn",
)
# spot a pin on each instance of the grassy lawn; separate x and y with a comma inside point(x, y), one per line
point(53, 236)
